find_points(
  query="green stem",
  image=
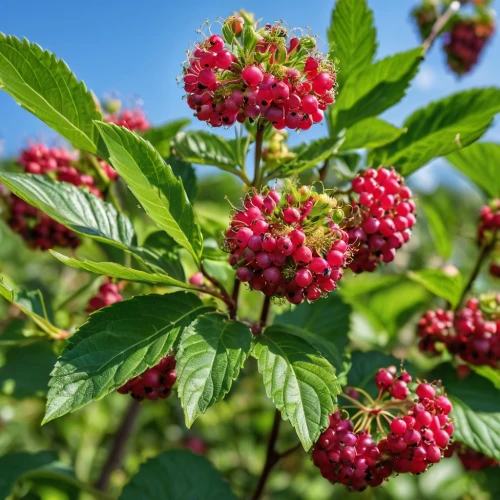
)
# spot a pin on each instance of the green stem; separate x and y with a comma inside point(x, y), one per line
point(259, 137)
point(76, 293)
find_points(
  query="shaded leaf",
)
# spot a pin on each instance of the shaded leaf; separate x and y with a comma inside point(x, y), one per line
point(210, 355)
point(480, 162)
point(440, 283)
point(161, 136)
point(186, 172)
point(300, 382)
point(116, 344)
point(442, 127)
point(177, 475)
point(162, 252)
point(440, 233)
point(155, 186)
point(45, 86)
point(73, 207)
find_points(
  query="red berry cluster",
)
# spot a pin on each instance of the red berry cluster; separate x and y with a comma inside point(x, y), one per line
point(414, 442)
point(36, 228)
point(397, 386)
point(133, 119)
point(465, 42)
point(471, 459)
point(383, 220)
point(280, 79)
point(469, 334)
point(288, 244)
point(108, 294)
point(489, 223)
point(155, 383)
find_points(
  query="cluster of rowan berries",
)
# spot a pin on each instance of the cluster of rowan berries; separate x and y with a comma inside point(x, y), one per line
point(108, 294)
point(418, 437)
point(267, 75)
point(133, 119)
point(289, 243)
point(471, 459)
point(383, 217)
point(155, 383)
point(471, 334)
point(465, 43)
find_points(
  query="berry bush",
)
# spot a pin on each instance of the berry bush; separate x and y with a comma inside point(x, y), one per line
point(321, 324)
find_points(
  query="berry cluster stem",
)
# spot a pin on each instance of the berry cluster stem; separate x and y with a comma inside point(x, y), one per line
point(440, 23)
point(223, 295)
point(119, 445)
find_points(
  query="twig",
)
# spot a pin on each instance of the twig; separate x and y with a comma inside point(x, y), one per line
point(440, 23)
point(120, 440)
point(265, 310)
point(236, 291)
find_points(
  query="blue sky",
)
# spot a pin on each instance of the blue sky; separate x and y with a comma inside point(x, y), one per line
point(136, 48)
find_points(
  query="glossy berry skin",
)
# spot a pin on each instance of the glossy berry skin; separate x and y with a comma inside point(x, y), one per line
point(155, 383)
point(286, 243)
point(416, 440)
point(465, 43)
point(281, 89)
point(469, 333)
point(384, 216)
point(108, 294)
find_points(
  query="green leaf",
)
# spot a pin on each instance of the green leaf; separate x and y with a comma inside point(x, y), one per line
point(352, 34)
point(73, 207)
point(308, 156)
point(438, 229)
point(329, 337)
point(371, 90)
point(177, 475)
point(31, 303)
point(204, 148)
point(478, 430)
point(370, 133)
point(480, 163)
point(442, 127)
point(210, 355)
point(186, 172)
point(15, 465)
point(12, 332)
point(301, 383)
point(27, 368)
point(155, 186)
point(161, 251)
point(116, 344)
point(439, 283)
point(161, 137)
point(114, 270)
point(45, 86)
point(489, 373)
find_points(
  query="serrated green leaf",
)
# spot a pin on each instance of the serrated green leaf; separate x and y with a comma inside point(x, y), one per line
point(15, 465)
point(210, 355)
point(308, 156)
point(177, 475)
point(313, 322)
point(352, 36)
point(161, 137)
point(73, 207)
point(204, 148)
point(45, 86)
point(440, 128)
point(371, 90)
point(439, 283)
point(155, 186)
point(31, 303)
point(116, 344)
point(370, 133)
point(440, 233)
point(26, 369)
point(478, 430)
point(480, 162)
point(114, 270)
point(301, 383)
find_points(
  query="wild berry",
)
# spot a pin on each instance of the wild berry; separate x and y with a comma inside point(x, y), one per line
point(471, 459)
point(287, 244)
point(155, 383)
point(383, 217)
point(291, 87)
point(108, 294)
point(133, 119)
